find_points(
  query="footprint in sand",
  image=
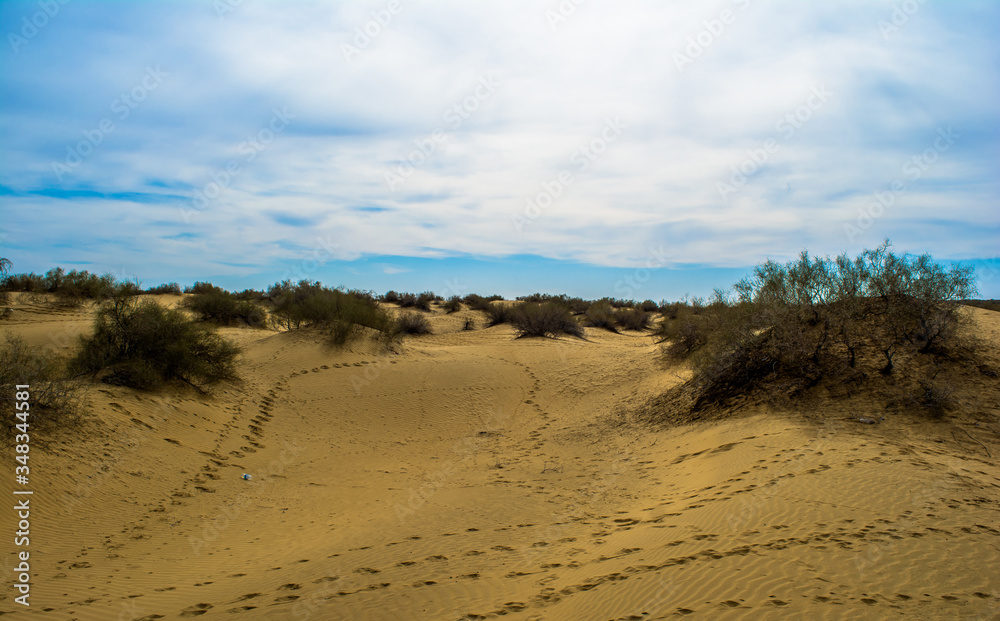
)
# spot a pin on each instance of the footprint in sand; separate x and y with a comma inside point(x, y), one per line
point(196, 610)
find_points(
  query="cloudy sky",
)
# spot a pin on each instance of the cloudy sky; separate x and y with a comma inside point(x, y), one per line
point(631, 148)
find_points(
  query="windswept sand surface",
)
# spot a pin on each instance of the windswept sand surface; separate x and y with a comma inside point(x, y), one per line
point(474, 476)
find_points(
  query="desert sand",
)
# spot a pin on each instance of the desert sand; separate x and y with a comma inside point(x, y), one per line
point(472, 475)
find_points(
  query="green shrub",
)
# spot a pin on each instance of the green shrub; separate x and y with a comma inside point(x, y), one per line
point(53, 400)
point(546, 319)
point(390, 297)
point(412, 323)
point(649, 306)
point(141, 344)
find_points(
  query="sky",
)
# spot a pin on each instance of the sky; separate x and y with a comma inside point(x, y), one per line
point(635, 149)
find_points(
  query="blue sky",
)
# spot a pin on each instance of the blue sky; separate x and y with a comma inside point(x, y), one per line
point(586, 147)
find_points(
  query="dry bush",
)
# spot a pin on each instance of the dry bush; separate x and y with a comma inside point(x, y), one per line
point(453, 305)
point(795, 324)
point(601, 314)
point(481, 303)
point(412, 323)
point(632, 319)
point(140, 344)
point(497, 314)
point(224, 308)
point(344, 315)
point(547, 319)
point(54, 401)
point(170, 288)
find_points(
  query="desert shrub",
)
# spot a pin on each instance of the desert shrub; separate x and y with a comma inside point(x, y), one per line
point(546, 319)
point(812, 318)
point(670, 310)
point(412, 323)
point(577, 306)
point(84, 285)
point(53, 400)
point(140, 344)
point(497, 314)
point(421, 302)
point(993, 305)
point(649, 306)
point(250, 295)
point(224, 308)
point(203, 287)
point(170, 288)
point(477, 302)
point(424, 300)
point(631, 319)
point(601, 314)
point(343, 314)
point(30, 283)
point(71, 288)
point(470, 324)
point(390, 297)
point(453, 305)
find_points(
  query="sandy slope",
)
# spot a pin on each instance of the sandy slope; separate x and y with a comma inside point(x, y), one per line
point(470, 476)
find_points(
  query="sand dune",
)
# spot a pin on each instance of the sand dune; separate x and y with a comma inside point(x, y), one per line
point(471, 475)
